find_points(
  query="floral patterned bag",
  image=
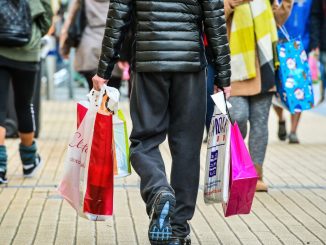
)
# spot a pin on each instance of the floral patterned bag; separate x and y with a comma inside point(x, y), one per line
point(293, 77)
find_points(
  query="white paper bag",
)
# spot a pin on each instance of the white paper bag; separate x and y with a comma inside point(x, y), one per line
point(217, 169)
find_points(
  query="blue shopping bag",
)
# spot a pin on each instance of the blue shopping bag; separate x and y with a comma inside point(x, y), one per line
point(293, 77)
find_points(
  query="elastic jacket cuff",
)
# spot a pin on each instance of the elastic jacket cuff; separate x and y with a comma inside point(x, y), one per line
point(222, 82)
point(105, 73)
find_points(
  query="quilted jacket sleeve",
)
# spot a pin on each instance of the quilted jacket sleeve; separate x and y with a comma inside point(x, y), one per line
point(118, 18)
point(215, 29)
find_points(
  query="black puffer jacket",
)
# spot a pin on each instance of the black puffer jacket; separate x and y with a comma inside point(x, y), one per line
point(168, 36)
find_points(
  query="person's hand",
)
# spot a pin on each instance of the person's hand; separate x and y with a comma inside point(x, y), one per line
point(64, 55)
point(236, 3)
point(98, 82)
point(316, 51)
point(64, 50)
point(226, 90)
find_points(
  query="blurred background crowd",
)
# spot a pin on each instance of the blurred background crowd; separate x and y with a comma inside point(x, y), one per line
point(62, 58)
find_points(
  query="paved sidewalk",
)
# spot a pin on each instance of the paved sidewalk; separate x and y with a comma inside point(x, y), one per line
point(293, 212)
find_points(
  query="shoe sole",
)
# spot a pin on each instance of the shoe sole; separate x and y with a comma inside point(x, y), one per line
point(294, 142)
point(3, 182)
point(282, 138)
point(160, 231)
point(36, 169)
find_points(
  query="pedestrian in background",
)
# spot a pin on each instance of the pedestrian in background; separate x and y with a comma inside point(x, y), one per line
point(252, 66)
point(168, 98)
point(318, 30)
point(19, 66)
point(297, 25)
point(89, 48)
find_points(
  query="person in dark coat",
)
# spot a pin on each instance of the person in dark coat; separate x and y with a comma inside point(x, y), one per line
point(168, 98)
point(318, 30)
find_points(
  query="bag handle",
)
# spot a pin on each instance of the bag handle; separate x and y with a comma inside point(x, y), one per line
point(227, 108)
point(284, 32)
point(99, 100)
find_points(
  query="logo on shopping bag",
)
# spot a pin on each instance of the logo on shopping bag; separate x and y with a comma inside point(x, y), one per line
point(213, 162)
point(73, 160)
point(78, 142)
point(220, 127)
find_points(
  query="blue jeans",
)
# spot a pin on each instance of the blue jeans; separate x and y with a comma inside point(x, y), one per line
point(323, 61)
point(210, 91)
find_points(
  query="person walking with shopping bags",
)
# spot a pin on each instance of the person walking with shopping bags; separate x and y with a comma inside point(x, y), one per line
point(252, 29)
point(168, 98)
point(297, 25)
point(20, 49)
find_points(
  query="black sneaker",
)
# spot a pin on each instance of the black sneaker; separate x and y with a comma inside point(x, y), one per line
point(3, 178)
point(282, 131)
point(160, 230)
point(29, 170)
point(181, 241)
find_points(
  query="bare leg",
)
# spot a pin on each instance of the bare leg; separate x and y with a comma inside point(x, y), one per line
point(2, 135)
point(27, 139)
point(279, 113)
point(295, 122)
point(293, 139)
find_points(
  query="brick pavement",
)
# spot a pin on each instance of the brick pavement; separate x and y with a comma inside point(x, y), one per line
point(293, 212)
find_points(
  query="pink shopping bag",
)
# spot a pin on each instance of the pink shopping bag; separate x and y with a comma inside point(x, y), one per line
point(243, 177)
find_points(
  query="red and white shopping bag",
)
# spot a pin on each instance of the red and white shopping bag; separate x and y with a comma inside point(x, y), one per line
point(87, 183)
point(121, 163)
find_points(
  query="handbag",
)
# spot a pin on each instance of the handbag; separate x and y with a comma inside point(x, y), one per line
point(76, 29)
point(15, 23)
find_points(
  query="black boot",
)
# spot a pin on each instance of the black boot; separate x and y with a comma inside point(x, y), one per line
point(30, 158)
point(282, 130)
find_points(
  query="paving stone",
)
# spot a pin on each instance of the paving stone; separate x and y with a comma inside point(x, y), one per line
point(293, 212)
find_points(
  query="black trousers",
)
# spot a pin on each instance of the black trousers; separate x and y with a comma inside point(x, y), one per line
point(173, 105)
point(23, 82)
